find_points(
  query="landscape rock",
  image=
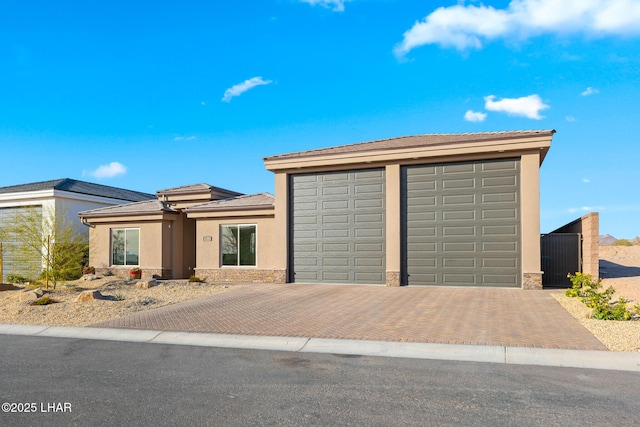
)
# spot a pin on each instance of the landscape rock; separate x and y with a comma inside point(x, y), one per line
point(29, 295)
point(146, 284)
point(89, 277)
point(89, 296)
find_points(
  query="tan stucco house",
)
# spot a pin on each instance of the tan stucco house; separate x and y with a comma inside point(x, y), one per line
point(437, 209)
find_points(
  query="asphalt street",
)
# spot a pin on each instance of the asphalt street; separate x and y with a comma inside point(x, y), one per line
point(64, 381)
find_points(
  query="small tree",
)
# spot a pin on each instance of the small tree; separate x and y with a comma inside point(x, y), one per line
point(52, 238)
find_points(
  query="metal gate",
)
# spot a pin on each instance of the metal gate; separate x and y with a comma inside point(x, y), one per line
point(561, 255)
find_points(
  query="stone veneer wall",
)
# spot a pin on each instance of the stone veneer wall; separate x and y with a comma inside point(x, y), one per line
point(242, 275)
point(532, 281)
point(123, 273)
point(393, 278)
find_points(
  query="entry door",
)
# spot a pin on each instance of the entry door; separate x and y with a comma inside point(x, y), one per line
point(337, 227)
point(461, 224)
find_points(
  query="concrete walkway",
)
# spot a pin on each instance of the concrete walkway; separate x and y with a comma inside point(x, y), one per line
point(468, 316)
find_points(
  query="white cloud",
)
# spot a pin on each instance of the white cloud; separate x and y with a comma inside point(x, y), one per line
point(468, 26)
point(570, 118)
point(474, 116)
point(586, 180)
point(240, 88)
point(184, 138)
point(526, 106)
point(336, 5)
point(590, 91)
point(110, 170)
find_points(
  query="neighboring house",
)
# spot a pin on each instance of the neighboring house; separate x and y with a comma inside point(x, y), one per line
point(56, 197)
point(440, 209)
point(155, 235)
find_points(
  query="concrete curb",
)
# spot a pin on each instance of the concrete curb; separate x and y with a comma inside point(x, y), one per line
point(587, 359)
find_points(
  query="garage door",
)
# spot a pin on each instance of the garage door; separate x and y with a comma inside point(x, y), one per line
point(461, 224)
point(337, 227)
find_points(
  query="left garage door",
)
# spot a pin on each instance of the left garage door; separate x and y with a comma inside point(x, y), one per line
point(337, 227)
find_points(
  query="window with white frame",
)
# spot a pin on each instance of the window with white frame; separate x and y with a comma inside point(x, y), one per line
point(125, 246)
point(238, 245)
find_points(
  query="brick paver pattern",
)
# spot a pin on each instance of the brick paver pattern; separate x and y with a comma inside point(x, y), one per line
point(506, 317)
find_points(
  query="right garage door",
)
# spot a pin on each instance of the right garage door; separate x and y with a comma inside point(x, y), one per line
point(461, 224)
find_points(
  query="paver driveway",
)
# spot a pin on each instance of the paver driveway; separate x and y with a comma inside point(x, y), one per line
point(507, 317)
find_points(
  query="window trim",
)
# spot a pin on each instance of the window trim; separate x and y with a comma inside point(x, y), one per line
point(125, 229)
point(222, 265)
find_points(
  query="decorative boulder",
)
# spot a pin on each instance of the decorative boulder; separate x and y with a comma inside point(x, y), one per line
point(146, 284)
point(29, 295)
point(89, 277)
point(89, 296)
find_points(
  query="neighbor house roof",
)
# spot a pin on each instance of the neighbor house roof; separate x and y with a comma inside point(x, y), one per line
point(147, 207)
point(79, 187)
point(415, 141)
point(246, 202)
point(196, 189)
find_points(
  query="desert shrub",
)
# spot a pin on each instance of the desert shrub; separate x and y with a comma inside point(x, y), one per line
point(622, 242)
point(16, 278)
point(592, 296)
point(193, 279)
point(44, 300)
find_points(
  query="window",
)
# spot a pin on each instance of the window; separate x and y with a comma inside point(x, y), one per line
point(125, 246)
point(238, 245)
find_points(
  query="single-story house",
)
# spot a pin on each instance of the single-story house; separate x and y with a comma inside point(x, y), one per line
point(54, 197)
point(154, 235)
point(435, 209)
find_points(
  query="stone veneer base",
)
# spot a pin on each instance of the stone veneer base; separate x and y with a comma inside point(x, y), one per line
point(123, 273)
point(393, 278)
point(241, 275)
point(531, 280)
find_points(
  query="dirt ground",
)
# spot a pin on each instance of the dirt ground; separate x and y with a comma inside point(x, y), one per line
point(121, 297)
point(620, 268)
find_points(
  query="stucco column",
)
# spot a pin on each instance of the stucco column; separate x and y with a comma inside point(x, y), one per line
point(281, 237)
point(393, 231)
point(530, 220)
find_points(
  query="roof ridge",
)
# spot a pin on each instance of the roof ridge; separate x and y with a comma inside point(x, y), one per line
point(423, 135)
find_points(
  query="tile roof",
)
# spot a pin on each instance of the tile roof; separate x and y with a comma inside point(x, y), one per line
point(137, 208)
point(249, 201)
point(196, 188)
point(414, 141)
point(80, 187)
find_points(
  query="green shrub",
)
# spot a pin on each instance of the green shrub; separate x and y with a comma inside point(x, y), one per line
point(622, 242)
point(16, 278)
point(193, 279)
point(44, 300)
point(600, 301)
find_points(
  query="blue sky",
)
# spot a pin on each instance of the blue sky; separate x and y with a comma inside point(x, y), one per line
point(148, 95)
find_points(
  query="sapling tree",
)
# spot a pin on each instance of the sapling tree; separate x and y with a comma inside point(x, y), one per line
point(49, 236)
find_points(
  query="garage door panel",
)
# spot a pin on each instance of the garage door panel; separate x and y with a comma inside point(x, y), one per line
point(333, 233)
point(348, 224)
point(474, 232)
point(509, 165)
point(499, 214)
point(461, 215)
point(499, 197)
